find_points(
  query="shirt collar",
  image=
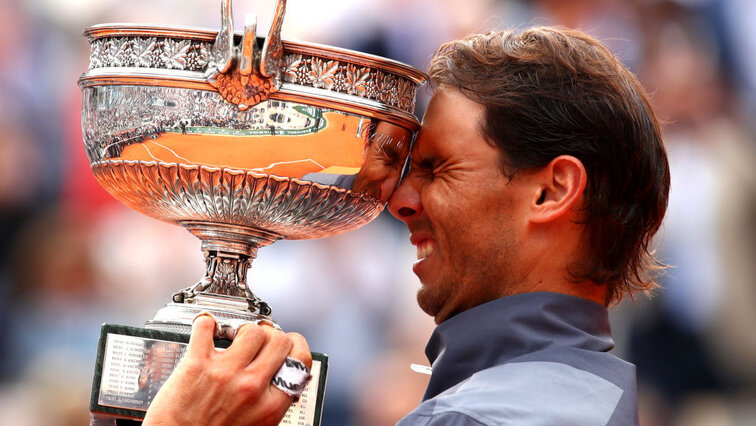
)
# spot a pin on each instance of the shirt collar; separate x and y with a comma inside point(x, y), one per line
point(500, 330)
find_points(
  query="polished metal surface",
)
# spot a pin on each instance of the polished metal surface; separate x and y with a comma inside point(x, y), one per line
point(229, 312)
point(243, 145)
point(286, 207)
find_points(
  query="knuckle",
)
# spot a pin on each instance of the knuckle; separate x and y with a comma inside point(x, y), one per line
point(273, 331)
point(286, 347)
point(278, 337)
point(218, 374)
point(297, 338)
point(193, 367)
point(250, 385)
point(250, 331)
point(295, 335)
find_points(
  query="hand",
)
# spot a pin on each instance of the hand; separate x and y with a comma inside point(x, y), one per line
point(215, 387)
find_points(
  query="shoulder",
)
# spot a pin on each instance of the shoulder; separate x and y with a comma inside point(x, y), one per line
point(447, 418)
point(525, 393)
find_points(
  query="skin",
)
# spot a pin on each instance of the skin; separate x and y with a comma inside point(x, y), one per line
point(481, 235)
point(214, 387)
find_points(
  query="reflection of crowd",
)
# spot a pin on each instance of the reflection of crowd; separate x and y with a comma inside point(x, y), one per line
point(120, 117)
point(72, 258)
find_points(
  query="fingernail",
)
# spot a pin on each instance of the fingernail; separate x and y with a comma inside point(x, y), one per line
point(217, 329)
point(268, 323)
point(204, 313)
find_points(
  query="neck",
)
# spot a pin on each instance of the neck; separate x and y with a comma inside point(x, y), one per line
point(583, 289)
point(547, 259)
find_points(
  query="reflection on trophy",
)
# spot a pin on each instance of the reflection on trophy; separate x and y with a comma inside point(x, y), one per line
point(242, 141)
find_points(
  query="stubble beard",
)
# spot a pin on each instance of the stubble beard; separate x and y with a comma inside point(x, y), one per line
point(482, 280)
point(431, 301)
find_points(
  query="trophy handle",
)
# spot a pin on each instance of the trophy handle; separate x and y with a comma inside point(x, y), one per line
point(257, 74)
point(272, 51)
point(223, 49)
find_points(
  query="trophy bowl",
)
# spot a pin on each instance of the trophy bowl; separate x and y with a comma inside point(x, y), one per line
point(242, 140)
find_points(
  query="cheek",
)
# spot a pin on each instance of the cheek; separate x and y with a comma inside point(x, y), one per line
point(440, 201)
point(388, 186)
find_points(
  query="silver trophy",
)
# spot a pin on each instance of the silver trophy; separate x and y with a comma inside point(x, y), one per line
point(243, 141)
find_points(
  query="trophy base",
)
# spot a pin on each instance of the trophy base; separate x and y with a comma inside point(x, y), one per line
point(133, 363)
point(228, 311)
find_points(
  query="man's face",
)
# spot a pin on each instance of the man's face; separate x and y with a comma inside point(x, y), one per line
point(385, 152)
point(465, 216)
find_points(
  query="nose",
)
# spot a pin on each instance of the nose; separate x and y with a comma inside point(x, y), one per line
point(405, 203)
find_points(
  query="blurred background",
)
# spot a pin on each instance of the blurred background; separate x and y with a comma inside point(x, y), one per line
point(72, 258)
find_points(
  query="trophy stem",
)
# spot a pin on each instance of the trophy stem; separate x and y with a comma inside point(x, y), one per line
point(223, 290)
point(229, 251)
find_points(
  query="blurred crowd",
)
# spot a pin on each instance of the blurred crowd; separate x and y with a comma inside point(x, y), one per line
point(72, 258)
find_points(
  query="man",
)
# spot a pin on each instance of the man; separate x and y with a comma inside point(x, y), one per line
point(535, 185)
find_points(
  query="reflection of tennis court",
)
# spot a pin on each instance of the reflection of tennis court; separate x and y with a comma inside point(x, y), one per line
point(284, 154)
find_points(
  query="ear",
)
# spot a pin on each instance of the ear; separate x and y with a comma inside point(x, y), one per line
point(559, 189)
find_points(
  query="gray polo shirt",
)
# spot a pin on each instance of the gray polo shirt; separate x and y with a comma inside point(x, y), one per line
point(528, 359)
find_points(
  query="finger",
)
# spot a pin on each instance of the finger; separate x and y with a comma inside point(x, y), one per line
point(272, 354)
point(293, 376)
point(201, 339)
point(247, 343)
point(300, 350)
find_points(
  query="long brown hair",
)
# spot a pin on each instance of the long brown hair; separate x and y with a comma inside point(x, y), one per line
point(552, 91)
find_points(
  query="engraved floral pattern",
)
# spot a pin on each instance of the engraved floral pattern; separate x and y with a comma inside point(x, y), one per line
point(108, 52)
point(197, 58)
point(122, 55)
point(321, 73)
point(351, 79)
point(371, 86)
point(95, 55)
point(156, 55)
point(174, 53)
point(340, 81)
point(386, 87)
point(356, 79)
point(406, 92)
point(294, 69)
point(151, 52)
point(142, 52)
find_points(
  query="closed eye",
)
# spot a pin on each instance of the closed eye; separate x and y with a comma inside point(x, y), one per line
point(422, 166)
point(391, 154)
